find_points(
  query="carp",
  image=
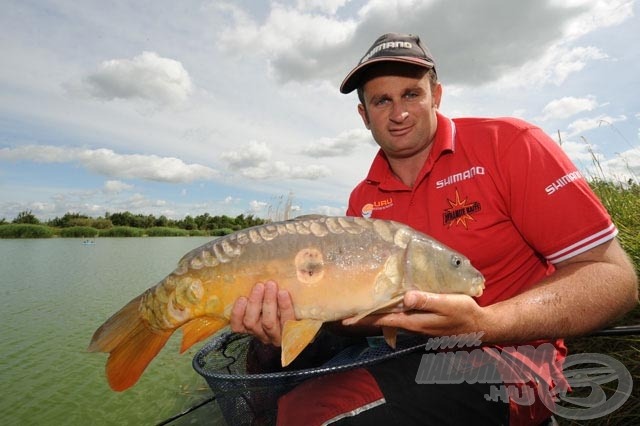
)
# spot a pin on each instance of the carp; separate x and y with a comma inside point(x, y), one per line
point(333, 267)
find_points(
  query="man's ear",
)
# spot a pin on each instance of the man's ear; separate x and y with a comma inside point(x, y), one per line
point(437, 95)
point(363, 113)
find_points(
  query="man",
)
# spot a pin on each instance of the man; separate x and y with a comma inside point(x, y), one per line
point(497, 190)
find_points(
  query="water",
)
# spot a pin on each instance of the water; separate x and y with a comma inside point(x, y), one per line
point(54, 294)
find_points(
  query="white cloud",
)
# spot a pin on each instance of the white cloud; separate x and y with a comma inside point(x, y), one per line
point(329, 210)
point(299, 46)
point(281, 170)
point(257, 206)
point(585, 124)
point(580, 152)
point(251, 155)
point(553, 66)
point(148, 76)
point(326, 6)
point(116, 186)
point(566, 107)
point(600, 14)
point(624, 167)
point(530, 37)
point(342, 145)
point(311, 172)
point(108, 163)
point(140, 202)
point(253, 161)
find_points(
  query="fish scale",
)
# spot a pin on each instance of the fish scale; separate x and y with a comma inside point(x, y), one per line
point(333, 267)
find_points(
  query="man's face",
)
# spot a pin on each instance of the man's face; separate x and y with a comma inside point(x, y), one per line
point(400, 109)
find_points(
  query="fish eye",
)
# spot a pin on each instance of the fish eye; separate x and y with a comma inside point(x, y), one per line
point(456, 261)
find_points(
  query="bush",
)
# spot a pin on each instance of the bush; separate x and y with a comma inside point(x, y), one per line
point(162, 231)
point(121, 231)
point(198, 233)
point(79, 232)
point(25, 231)
point(221, 232)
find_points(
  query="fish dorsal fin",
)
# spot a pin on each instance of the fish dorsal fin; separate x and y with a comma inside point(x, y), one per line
point(376, 309)
point(198, 329)
point(390, 335)
point(296, 335)
point(309, 217)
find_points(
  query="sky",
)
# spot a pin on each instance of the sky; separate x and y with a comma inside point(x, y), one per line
point(188, 107)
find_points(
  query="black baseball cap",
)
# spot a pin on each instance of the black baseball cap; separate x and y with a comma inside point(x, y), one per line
point(391, 47)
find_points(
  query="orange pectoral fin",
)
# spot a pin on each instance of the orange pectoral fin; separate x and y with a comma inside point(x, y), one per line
point(296, 336)
point(388, 306)
point(199, 329)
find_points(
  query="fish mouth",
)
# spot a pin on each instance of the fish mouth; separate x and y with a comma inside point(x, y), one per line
point(478, 286)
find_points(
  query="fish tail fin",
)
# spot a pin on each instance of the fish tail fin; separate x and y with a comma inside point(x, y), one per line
point(131, 345)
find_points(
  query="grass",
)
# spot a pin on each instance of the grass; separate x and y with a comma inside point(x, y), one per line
point(79, 232)
point(623, 204)
point(161, 231)
point(25, 231)
point(122, 231)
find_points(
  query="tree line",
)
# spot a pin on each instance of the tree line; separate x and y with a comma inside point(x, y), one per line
point(203, 222)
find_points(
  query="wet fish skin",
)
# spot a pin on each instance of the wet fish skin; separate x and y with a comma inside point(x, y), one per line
point(333, 267)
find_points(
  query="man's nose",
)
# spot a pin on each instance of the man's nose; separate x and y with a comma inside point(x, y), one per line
point(399, 115)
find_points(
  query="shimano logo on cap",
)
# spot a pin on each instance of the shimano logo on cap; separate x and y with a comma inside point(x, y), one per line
point(387, 45)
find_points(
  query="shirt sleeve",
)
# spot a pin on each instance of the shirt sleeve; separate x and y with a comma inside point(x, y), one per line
point(550, 201)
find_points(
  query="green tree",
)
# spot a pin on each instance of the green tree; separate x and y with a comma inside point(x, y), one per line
point(26, 217)
point(162, 221)
point(69, 219)
point(188, 223)
point(203, 221)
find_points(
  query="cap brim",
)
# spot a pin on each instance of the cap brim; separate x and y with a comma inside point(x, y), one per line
point(352, 80)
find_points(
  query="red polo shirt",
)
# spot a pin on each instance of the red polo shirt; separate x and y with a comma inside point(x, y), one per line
point(501, 192)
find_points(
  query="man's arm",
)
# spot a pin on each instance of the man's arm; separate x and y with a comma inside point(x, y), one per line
point(585, 293)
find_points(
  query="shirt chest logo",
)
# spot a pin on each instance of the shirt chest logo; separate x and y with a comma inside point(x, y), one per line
point(369, 208)
point(460, 211)
point(459, 177)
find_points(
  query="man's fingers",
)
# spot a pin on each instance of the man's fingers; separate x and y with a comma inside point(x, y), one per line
point(285, 305)
point(270, 321)
point(263, 313)
point(420, 300)
point(254, 307)
point(237, 315)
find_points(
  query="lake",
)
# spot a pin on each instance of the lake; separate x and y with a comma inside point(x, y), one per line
point(55, 293)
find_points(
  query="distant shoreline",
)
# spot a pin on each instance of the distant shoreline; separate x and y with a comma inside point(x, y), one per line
point(25, 231)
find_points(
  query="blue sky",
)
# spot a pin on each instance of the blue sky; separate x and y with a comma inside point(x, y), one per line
point(229, 107)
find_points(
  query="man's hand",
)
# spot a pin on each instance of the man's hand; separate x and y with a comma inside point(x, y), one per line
point(263, 313)
point(585, 293)
point(433, 314)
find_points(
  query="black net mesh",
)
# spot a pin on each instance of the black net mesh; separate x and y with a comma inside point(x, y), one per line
point(247, 380)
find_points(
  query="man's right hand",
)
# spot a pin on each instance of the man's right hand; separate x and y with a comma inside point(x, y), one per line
point(263, 313)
